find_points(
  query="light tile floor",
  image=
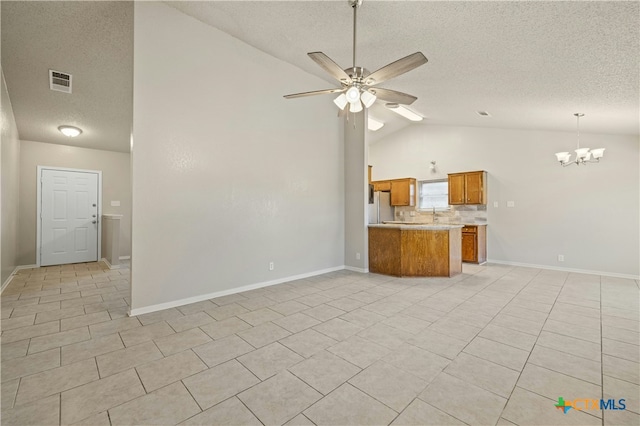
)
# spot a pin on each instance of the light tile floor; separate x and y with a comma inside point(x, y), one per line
point(495, 345)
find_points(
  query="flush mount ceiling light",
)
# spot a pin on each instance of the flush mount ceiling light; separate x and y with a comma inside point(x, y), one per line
point(70, 131)
point(374, 124)
point(357, 84)
point(583, 155)
point(404, 111)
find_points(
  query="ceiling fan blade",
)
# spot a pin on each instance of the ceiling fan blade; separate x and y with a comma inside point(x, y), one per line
point(397, 68)
point(393, 96)
point(327, 64)
point(315, 92)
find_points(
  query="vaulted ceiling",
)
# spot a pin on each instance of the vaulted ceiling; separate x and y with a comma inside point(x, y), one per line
point(530, 64)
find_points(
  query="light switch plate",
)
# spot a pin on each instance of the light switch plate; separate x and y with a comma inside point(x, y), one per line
point(115, 204)
point(511, 203)
point(496, 204)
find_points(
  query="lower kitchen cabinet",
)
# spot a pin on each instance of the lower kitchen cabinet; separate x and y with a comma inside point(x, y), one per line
point(474, 243)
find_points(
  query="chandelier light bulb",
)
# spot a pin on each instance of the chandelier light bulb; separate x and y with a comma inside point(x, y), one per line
point(597, 153)
point(582, 152)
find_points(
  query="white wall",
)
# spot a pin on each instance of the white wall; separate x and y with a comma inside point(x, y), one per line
point(590, 214)
point(10, 154)
point(356, 197)
point(227, 175)
point(116, 186)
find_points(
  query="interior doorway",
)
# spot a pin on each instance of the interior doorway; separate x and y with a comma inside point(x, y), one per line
point(69, 216)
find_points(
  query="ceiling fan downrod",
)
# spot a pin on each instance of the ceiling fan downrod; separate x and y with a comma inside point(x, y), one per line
point(355, 4)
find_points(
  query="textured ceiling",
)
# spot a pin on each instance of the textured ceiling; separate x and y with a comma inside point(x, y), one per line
point(93, 41)
point(530, 64)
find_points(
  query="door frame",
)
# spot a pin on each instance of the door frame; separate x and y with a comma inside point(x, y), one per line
point(39, 206)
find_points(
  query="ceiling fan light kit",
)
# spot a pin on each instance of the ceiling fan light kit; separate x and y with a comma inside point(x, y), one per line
point(355, 107)
point(583, 155)
point(341, 101)
point(357, 84)
point(368, 98)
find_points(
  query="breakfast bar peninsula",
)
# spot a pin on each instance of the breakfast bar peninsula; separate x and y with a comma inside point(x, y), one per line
point(415, 250)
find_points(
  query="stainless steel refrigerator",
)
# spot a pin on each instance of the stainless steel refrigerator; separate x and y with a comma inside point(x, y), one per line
point(381, 210)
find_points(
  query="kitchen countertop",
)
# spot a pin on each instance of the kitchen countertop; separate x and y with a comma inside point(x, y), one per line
point(417, 226)
point(399, 222)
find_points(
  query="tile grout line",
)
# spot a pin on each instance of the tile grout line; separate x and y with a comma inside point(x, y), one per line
point(381, 360)
point(534, 344)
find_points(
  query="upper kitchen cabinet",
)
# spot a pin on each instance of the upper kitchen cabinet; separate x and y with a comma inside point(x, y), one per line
point(403, 191)
point(381, 185)
point(468, 188)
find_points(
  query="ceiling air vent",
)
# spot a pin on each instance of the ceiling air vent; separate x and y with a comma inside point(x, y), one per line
point(60, 81)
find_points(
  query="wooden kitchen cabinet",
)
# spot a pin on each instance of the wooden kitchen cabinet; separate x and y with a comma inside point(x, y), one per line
point(474, 243)
point(405, 252)
point(381, 185)
point(468, 188)
point(403, 191)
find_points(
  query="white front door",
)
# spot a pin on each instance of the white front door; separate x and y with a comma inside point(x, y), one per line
point(69, 217)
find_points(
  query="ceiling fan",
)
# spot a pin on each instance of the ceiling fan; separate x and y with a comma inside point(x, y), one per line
point(357, 84)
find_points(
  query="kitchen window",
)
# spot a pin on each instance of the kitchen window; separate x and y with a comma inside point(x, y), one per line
point(433, 193)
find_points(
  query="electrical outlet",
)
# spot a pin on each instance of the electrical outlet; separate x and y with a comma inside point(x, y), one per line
point(496, 204)
point(271, 266)
point(561, 258)
point(511, 203)
point(357, 256)
point(412, 214)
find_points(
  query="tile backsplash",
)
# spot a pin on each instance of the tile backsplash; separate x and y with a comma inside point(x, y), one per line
point(455, 214)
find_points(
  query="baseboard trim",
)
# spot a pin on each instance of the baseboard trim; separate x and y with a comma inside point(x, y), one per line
point(15, 270)
point(124, 257)
point(557, 268)
point(194, 299)
point(354, 269)
point(106, 262)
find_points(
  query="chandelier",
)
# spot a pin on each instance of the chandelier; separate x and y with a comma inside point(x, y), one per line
point(583, 155)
